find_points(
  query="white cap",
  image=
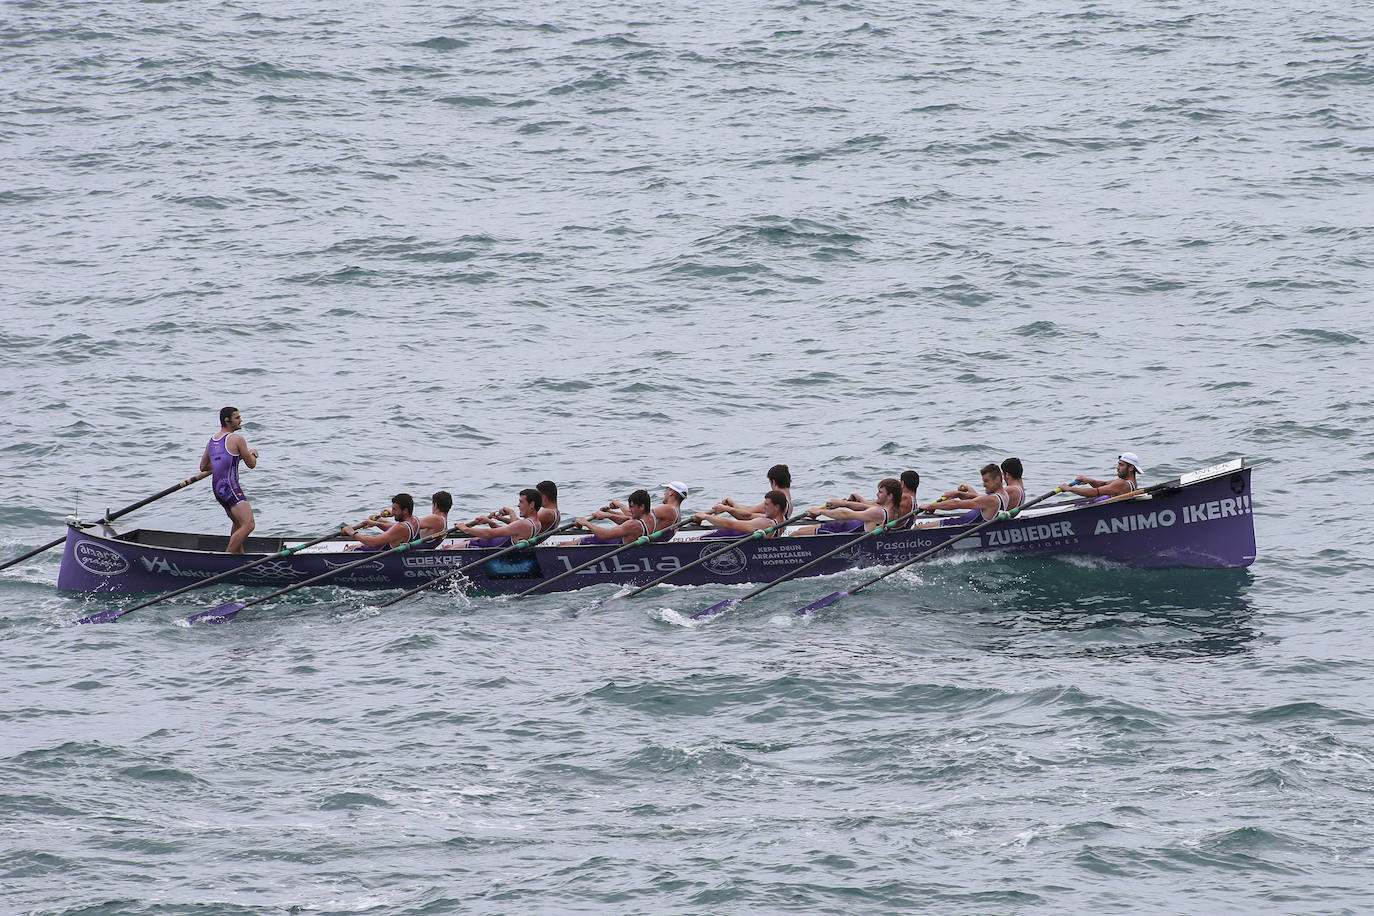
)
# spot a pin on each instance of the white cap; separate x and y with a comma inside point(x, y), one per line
point(1131, 459)
point(677, 487)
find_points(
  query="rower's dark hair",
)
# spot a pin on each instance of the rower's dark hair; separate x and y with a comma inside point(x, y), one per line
point(780, 475)
point(225, 413)
point(911, 480)
point(443, 500)
point(534, 496)
point(1012, 467)
point(991, 469)
point(549, 489)
point(404, 501)
point(777, 498)
point(893, 486)
point(640, 498)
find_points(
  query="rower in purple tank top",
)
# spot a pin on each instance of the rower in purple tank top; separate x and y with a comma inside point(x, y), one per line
point(402, 527)
point(640, 522)
point(1012, 485)
point(975, 507)
point(496, 534)
point(775, 513)
point(221, 458)
point(1127, 466)
point(550, 519)
point(852, 516)
point(669, 512)
point(779, 478)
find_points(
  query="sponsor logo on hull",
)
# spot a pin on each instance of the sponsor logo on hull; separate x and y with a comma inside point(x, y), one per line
point(99, 561)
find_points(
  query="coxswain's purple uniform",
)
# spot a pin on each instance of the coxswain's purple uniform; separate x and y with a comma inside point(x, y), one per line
point(224, 472)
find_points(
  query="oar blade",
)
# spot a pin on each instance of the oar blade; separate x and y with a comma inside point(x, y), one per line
point(821, 603)
point(109, 616)
point(720, 607)
point(222, 614)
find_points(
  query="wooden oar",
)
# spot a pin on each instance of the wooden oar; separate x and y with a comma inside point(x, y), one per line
point(519, 545)
point(753, 535)
point(226, 612)
point(637, 542)
point(109, 517)
point(113, 615)
point(1000, 517)
point(729, 603)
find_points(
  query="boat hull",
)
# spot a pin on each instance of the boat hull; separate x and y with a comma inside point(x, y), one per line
point(1205, 523)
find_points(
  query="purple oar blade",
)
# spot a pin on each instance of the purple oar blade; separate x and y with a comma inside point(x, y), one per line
point(820, 603)
point(720, 607)
point(109, 616)
point(222, 614)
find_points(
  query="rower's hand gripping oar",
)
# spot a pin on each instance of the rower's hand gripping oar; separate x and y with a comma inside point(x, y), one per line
point(730, 603)
point(637, 542)
point(109, 517)
point(519, 545)
point(1000, 517)
point(733, 543)
point(226, 612)
point(113, 615)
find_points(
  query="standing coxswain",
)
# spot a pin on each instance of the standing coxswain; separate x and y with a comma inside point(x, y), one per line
point(221, 457)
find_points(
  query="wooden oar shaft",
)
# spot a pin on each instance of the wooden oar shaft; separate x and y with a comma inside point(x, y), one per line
point(751, 536)
point(637, 542)
point(519, 545)
point(109, 517)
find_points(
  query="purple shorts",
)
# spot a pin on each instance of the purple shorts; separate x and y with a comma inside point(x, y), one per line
point(845, 527)
point(968, 518)
point(230, 498)
point(592, 540)
point(722, 533)
point(489, 542)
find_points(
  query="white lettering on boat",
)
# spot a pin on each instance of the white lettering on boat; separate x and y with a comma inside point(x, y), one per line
point(619, 565)
point(99, 560)
point(1187, 515)
point(1226, 466)
point(1023, 535)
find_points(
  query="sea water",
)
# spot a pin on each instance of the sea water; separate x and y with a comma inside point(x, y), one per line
point(426, 246)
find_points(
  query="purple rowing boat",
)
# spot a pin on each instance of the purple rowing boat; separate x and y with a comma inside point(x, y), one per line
point(1202, 520)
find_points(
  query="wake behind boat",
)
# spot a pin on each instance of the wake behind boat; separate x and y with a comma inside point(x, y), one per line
point(1203, 519)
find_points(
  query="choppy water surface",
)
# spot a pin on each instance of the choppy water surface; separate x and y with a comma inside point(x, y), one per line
point(435, 246)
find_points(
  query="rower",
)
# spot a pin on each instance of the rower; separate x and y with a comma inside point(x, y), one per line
point(1012, 483)
point(430, 525)
point(774, 514)
point(640, 522)
point(1127, 467)
point(910, 481)
point(402, 527)
point(496, 534)
point(669, 512)
point(858, 516)
point(779, 479)
point(550, 518)
point(977, 507)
